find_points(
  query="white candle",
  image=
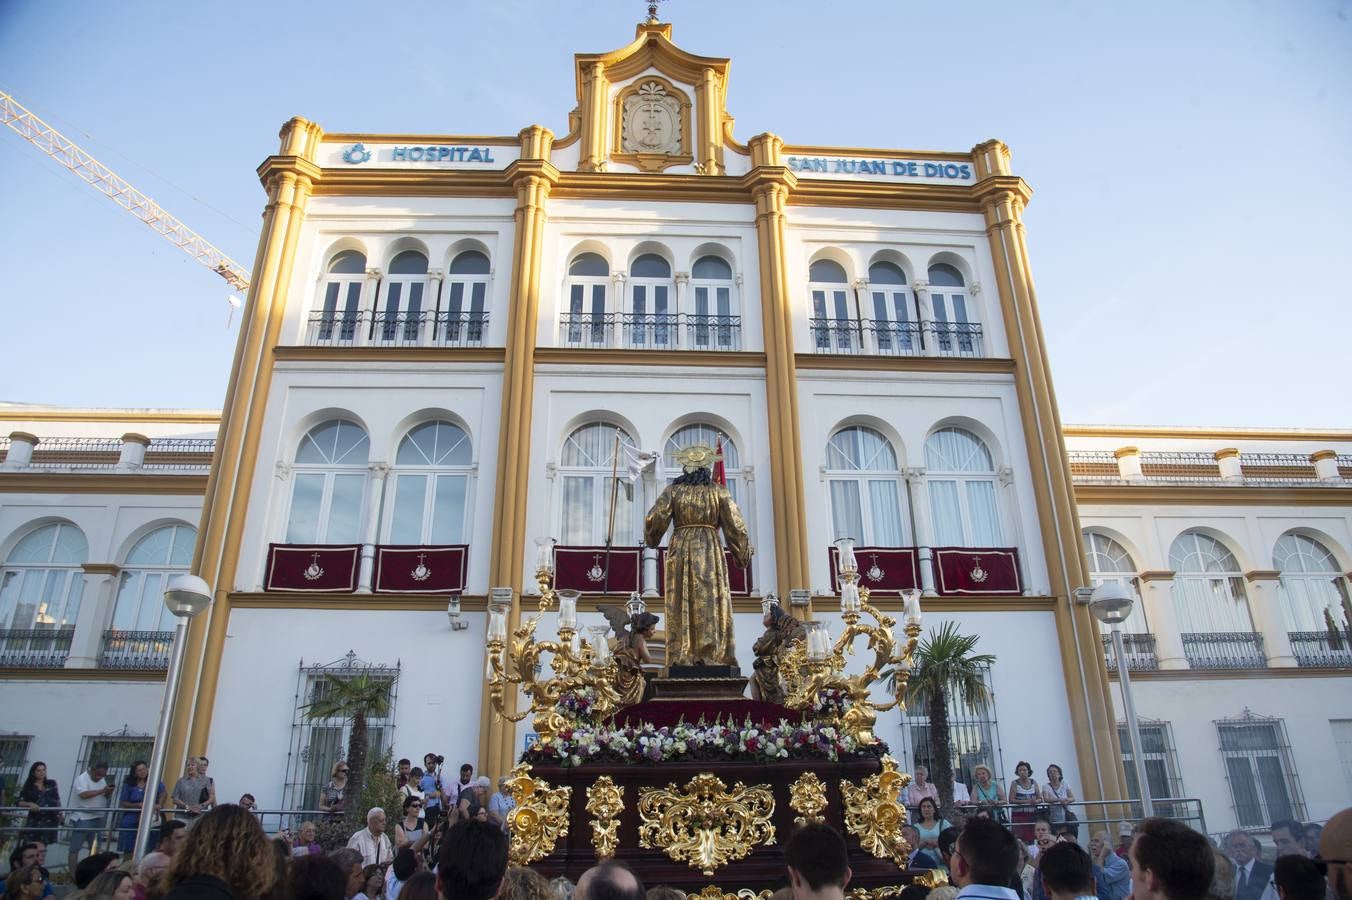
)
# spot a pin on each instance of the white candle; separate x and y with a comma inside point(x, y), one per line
point(575, 645)
point(911, 607)
point(497, 624)
point(600, 648)
point(544, 553)
point(568, 608)
point(849, 598)
point(845, 563)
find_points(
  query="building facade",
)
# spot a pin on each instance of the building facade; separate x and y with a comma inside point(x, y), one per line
point(452, 346)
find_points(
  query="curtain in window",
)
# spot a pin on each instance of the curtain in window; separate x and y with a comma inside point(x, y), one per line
point(985, 516)
point(886, 509)
point(946, 513)
point(847, 515)
point(578, 494)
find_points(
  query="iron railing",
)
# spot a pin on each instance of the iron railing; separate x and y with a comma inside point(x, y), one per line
point(378, 329)
point(1140, 650)
point(650, 331)
point(871, 337)
point(35, 648)
point(957, 339)
point(1224, 650)
point(1321, 649)
point(163, 454)
point(144, 651)
point(897, 338)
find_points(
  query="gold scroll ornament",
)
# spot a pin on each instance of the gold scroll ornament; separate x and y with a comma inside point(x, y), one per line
point(539, 819)
point(807, 796)
point(713, 892)
point(704, 823)
point(605, 801)
point(874, 815)
point(887, 892)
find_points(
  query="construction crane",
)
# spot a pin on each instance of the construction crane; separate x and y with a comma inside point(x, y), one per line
point(115, 188)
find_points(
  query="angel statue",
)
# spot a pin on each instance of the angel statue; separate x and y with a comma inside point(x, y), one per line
point(631, 650)
point(698, 602)
point(781, 629)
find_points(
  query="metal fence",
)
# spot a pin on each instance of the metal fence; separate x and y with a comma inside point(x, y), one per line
point(408, 329)
point(1224, 650)
point(650, 331)
point(1321, 649)
point(142, 651)
point(1140, 652)
point(35, 648)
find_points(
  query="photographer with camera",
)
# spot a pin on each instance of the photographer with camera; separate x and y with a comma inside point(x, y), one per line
point(434, 803)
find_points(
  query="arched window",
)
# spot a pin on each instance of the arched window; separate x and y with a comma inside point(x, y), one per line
point(833, 318)
point(585, 467)
point(955, 333)
point(1110, 561)
point(465, 320)
point(584, 323)
point(709, 435)
point(1209, 596)
point(1313, 588)
point(42, 580)
point(400, 316)
point(431, 483)
point(961, 479)
point(864, 483)
point(651, 321)
point(328, 485)
point(155, 558)
point(337, 321)
point(894, 323)
point(714, 323)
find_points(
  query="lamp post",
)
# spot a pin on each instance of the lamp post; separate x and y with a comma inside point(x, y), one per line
point(186, 597)
point(1111, 603)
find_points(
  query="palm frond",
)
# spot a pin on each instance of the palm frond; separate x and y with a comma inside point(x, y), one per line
point(337, 697)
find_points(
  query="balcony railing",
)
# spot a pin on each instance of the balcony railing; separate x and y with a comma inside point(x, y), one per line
point(37, 648)
point(380, 329)
point(1321, 649)
point(1224, 650)
point(1140, 652)
point(876, 338)
point(144, 651)
point(651, 331)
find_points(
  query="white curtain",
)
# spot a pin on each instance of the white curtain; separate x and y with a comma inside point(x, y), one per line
point(886, 508)
point(985, 517)
point(946, 513)
point(578, 494)
point(847, 516)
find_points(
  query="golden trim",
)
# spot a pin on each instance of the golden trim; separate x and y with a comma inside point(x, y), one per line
point(807, 797)
point(1156, 575)
point(704, 823)
point(1262, 575)
point(605, 801)
point(1202, 433)
point(650, 162)
point(56, 414)
point(1126, 451)
point(80, 483)
point(363, 602)
point(1235, 674)
point(133, 437)
point(100, 568)
point(14, 673)
point(1214, 495)
point(933, 364)
point(346, 137)
point(816, 150)
point(1319, 455)
point(1226, 453)
point(539, 818)
point(874, 814)
point(652, 48)
point(702, 358)
point(389, 354)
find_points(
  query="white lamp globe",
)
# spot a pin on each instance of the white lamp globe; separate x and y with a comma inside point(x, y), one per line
point(1111, 603)
point(187, 596)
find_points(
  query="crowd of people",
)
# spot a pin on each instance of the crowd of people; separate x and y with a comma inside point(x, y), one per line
point(449, 840)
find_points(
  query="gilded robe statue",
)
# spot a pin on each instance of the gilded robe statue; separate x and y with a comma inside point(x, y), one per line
point(698, 603)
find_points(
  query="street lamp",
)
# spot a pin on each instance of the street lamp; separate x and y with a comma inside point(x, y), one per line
point(186, 597)
point(1111, 603)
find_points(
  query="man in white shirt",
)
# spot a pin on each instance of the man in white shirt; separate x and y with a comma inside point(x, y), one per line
point(90, 797)
point(960, 793)
point(371, 842)
point(985, 861)
point(818, 863)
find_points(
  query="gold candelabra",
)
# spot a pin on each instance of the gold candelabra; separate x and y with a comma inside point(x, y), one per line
point(575, 664)
point(818, 668)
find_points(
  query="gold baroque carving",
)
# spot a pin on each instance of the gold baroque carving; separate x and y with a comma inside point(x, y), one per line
point(625, 102)
point(540, 817)
point(807, 796)
point(932, 878)
point(874, 815)
point(605, 801)
point(705, 824)
point(713, 892)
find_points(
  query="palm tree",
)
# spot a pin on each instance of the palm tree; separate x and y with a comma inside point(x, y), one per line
point(352, 698)
point(944, 664)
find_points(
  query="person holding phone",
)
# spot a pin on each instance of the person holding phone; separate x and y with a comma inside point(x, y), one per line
point(90, 796)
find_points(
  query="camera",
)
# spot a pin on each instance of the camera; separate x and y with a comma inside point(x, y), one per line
point(437, 761)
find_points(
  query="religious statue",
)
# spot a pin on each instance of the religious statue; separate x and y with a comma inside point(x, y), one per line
point(781, 629)
point(630, 650)
point(698, 601)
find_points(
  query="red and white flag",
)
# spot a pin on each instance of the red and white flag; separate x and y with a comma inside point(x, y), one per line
point(720, 477)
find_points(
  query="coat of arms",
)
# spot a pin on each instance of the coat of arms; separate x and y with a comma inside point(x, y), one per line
point(652, 121)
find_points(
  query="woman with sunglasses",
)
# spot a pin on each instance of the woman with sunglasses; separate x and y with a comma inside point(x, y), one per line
point(411, 830)
point(331, 797)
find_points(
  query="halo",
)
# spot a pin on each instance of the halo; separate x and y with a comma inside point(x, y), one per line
point(697, 456)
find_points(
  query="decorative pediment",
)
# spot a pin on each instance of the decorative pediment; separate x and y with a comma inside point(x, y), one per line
point(651, 120)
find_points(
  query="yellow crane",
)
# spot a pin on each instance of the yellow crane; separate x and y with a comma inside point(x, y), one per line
point(117, 189)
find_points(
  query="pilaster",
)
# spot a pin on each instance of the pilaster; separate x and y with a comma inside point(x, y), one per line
point(96, 611)
point(1157, 593)
point(375, 493)
point(1265, 607)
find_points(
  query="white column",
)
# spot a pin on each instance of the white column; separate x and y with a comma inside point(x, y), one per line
point(1012, 525)
point(1129, 463)
point(1265, 607)
point(1158, 596)
point(133, 455)
point(367, 308)
point(375, 493)
point(649, 571)
point(431, 306)
point(20, 454)
point(915, 494)
point(974, 316)
point(926, 314)
point(868, 337)
point(96, 611)
point(619, 305)
point(1227, 461)
point(683, 309)
point(1325, 465)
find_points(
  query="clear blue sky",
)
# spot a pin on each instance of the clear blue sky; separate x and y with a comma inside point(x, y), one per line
point(1191, 161)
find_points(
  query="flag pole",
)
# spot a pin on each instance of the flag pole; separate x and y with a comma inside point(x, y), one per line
point(610, 525)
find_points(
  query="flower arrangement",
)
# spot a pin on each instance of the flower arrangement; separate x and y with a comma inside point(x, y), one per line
point(831, 703)
point(577, 704)
point(647, 744)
